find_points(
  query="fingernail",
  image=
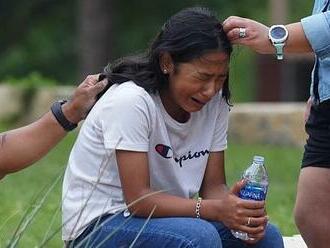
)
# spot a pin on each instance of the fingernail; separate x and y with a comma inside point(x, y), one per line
point(103, 82)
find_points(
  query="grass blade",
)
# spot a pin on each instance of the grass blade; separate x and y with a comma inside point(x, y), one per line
point(5, 223)
point(58, 229)
point(29, 216)
point(51, 223)
point(113, 216)
point(102, 169)
point(109, 236)
point(25, 216)
point(144, 225)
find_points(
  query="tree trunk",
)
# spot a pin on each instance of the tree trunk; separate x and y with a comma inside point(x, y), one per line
point(94, 35)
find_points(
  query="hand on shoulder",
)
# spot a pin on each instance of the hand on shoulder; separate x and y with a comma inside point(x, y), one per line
point(83, 98)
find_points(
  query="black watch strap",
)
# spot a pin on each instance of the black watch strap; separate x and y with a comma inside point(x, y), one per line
point(60, 117)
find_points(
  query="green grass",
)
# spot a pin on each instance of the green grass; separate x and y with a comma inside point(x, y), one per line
point(18, 190)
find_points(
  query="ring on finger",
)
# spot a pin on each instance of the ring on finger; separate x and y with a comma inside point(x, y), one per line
point(242, 33)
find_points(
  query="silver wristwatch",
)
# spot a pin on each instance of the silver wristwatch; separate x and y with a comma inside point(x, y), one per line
point(278, 34)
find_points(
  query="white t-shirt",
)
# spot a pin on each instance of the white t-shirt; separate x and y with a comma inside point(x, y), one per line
point(129, 118)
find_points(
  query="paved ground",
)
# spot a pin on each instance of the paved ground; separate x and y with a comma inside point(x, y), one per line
point(295, 241)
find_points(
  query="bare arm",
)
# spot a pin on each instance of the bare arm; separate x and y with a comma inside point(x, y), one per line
point(297, 41)
point(218, 204)
point(257, 36)
point(21, 147)
point(134, 177)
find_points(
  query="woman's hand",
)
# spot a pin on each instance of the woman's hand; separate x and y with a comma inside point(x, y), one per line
point(83, 98)
point(243, 215)
point(256, 34)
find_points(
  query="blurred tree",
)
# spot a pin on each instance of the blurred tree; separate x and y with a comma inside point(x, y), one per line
point(137, 21)
point(299, 9)
point(64, 40)
point(95, 35)
point(38, 35)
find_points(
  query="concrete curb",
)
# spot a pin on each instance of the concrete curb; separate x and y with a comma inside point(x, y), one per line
point(295, 241)
point(268, 123)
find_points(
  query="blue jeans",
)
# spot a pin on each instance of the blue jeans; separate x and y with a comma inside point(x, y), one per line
point(167, 232)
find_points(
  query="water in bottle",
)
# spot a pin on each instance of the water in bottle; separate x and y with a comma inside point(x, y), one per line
point(256, 186)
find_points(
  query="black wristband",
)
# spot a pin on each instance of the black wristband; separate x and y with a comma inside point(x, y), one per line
point(60, 117)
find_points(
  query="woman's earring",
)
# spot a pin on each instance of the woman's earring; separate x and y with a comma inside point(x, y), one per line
point(165, 71)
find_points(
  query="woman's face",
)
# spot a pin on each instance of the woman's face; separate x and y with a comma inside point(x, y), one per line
point(193, 84)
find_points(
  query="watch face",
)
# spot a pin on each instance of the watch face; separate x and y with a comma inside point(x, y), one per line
point(278, 32)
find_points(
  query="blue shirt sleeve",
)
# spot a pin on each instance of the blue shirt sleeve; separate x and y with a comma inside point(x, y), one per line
point(317, 31)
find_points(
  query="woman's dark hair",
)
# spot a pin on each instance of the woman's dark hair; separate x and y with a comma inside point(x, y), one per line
point(187, 35)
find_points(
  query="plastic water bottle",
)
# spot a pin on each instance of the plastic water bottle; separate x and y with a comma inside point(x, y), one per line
point(256, 187)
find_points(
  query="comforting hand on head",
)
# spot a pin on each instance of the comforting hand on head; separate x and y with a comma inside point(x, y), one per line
point(248, 32)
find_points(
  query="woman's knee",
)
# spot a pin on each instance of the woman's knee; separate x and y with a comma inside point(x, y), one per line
point(203, 234)
point(300, 216)
point(273, 237)
point(273, 230)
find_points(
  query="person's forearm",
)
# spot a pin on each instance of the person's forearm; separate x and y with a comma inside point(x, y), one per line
point(256, 36)
point(297, 41)
point(166, 205)
point(23, 146)
point(171, 206)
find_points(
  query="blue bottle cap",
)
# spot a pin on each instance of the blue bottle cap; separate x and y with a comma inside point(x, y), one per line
point(259, 159)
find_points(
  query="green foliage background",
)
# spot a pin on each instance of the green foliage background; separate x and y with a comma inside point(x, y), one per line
point(38, 36)
point(41, 35)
